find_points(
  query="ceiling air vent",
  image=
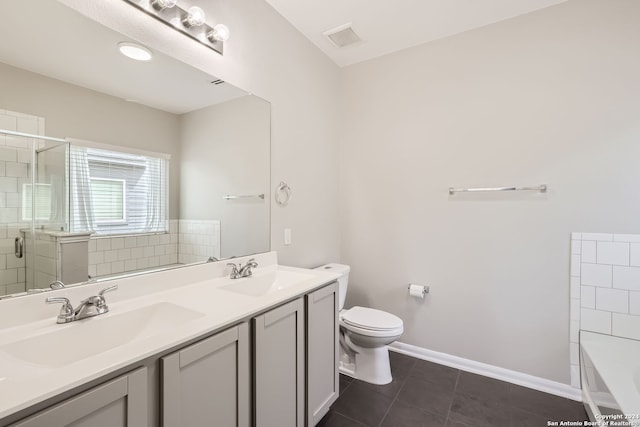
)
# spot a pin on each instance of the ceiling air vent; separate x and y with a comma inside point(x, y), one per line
point(217, 82)
point(342, 36)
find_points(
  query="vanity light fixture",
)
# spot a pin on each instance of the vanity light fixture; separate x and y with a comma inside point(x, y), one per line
point(163, 4)
point(135, 51)
point(195, 17)
point(191, 22)
point(220, 33)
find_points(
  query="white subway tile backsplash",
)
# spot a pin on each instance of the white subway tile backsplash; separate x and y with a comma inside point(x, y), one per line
point(124, 254)
point(142, 241)
point(576, 247)
point(130, 265)
point(601, 237)
point(574, 353)
point(588, 251)
point(574, 283)
point(626, 278)
point(117, 267)
point(588, 297)
point(634, 303)
point(92, 245)
point(137, 253)
point(608, 299)
point(634, 255)
point(103, 244)
point(633, 238)
point(142, 263)
point(574, 331)
point(616, 253)
point(596, 275)
point(110, 256)
point(117, 243)
point(96, 258)
point(625, 325)
point(130, 242)
point(103, 269)
point(154, 240)
point(595, 321)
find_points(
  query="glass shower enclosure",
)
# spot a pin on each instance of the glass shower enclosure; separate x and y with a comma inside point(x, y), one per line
point(34, 201)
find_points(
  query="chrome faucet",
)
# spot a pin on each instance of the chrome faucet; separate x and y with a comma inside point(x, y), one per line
point(240, 271)
point(92, 306)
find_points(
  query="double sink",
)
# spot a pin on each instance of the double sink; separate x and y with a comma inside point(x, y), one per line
point(62, 345)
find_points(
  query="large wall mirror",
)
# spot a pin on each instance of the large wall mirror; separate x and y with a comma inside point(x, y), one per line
point(152, 164)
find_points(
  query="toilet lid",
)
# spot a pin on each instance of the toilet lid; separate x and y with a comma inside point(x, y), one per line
point(369, 318)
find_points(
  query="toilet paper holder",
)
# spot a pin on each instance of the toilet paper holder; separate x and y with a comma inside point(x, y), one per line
point(425, 289)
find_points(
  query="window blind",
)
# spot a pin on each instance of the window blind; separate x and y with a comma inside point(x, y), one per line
point(117, 193)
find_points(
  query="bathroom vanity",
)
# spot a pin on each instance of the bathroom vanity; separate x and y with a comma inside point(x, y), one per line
point(181, 347)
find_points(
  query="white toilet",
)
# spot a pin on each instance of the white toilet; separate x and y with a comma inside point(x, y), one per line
point(364, 336)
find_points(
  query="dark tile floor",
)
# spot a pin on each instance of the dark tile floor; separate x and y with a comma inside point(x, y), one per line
point(424, 394)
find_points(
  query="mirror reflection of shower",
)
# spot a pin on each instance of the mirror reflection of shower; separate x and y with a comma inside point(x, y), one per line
point(33, 198)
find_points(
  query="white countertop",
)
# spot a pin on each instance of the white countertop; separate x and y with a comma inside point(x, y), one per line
point(199, 290)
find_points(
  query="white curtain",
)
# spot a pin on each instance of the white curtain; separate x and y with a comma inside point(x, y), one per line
point(156, 194)
point(81, 216)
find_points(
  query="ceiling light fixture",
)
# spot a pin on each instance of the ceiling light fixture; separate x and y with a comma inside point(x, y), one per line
point(135, 51)
point(195, 17)
point(220, 33)
point(191, 21)
point(163, 4)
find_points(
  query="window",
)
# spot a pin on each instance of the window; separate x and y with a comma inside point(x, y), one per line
point(109, 200)
point(43, 202)
point(115, 192)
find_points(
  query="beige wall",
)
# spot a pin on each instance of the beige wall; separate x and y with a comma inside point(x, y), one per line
point(269, 58)
point(549, 97)
point(73, 111)
point(225, 151)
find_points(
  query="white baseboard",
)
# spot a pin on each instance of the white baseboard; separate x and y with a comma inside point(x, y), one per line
point(525, 380)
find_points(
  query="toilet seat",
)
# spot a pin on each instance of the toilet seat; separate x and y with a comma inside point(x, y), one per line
point(371, 322)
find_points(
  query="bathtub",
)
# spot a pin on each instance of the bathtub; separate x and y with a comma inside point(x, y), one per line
point(610, 374)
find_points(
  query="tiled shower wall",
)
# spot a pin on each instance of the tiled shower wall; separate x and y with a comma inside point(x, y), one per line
point(15, 157)
point(605, 288)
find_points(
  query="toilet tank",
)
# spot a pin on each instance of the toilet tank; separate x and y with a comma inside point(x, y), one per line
point(343, 280)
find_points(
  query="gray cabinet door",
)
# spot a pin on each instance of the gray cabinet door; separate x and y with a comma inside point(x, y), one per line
point(322, 352)
point(207, 383)
point(279, 366)
point(121, 402)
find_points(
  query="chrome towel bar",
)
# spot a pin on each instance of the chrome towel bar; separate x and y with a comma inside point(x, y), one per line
point(541, 188)
point(248, 196)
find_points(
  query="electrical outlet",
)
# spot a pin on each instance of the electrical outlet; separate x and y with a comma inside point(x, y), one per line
point(287, 236)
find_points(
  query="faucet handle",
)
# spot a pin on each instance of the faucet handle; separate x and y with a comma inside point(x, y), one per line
point(66, 311)
point(234, 270)
point(109, 289)
point(56, 284)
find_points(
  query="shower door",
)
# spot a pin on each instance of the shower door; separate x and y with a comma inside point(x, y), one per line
point(33, 199)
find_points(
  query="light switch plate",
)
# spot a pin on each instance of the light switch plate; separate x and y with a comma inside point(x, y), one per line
point(287, 236)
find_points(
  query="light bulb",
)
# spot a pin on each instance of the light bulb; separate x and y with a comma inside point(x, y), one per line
point(220, 32)
point(195, 17)
point(163, 4)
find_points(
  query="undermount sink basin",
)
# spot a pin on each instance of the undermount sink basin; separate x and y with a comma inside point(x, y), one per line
point(262, 285)
point(78, 340)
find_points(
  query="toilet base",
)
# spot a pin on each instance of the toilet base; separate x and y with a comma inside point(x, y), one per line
point(371, 365)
